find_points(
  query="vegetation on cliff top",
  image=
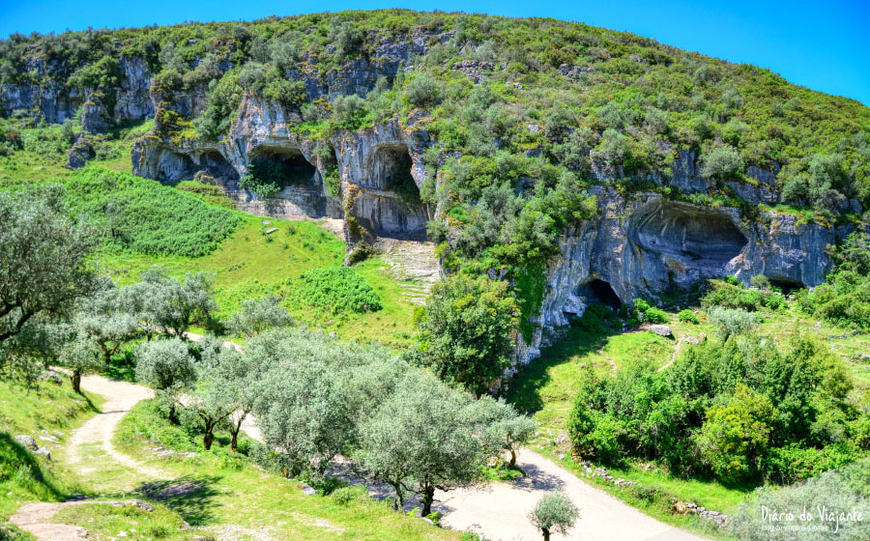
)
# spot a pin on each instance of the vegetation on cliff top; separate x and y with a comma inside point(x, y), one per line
point(525, 111)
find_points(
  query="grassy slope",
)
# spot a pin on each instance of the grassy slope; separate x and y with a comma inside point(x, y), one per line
point(547, 387)
point(251, 264)
point(246, 264)
point(46, 410)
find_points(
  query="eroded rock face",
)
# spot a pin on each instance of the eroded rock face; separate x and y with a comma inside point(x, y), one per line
point(55, 103)
point(380, 170)
point(641, 246)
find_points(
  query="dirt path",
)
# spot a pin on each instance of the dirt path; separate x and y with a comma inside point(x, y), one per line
point(500, 511)
point(120, 398)
point(35, 518)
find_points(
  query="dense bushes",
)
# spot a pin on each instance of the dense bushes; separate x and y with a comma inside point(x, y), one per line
point(465, 331)
point(336, 290)
point(649, 314)
point(833, 501)
point(732, 294)
point(224, 97)
point(740, 410)
point(844, 298)
point(147, 217)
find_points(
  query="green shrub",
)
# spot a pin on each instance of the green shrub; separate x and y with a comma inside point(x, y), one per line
point(147, 217)
point(687, 316)
point(423, 90)
point(760, 281)
point(349, 111)
point(337, 290)
point(734, 438)
point(727, 295)
point(224, 98)
point(346, 495)
point(793, 463)
point(721, 162)
point(655, 315)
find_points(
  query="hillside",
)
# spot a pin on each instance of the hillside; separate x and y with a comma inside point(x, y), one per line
point(411, 251)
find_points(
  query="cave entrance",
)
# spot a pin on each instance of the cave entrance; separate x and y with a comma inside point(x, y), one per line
point(706, 238)
point(282, 166)
point(598, 291)
point(391, 171)
point(390, 205)
point(212, 166)
point(786, 285)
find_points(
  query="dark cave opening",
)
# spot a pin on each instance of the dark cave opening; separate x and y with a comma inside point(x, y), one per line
point(281, 166)
point(391, 169)
point(598, 291)
point(786, 285)
point(211, 163)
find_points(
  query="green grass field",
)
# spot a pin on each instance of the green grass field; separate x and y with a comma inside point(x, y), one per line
point(250, 263)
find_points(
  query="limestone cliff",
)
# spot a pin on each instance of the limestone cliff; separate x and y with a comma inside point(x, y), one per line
point(660, 224)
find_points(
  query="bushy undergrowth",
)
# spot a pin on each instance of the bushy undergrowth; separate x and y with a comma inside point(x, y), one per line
point(732, 294)
point(741, 411)
point(844, 298)
point(815, 508)
point(147, 217)
point(336, 290)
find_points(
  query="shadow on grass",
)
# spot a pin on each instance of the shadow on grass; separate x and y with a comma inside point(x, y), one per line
point(122, 368)
point(18, 465)
point(588, 334)
point(190, 496)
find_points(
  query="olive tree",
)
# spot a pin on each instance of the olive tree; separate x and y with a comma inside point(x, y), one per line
point(502, 427)
point(81, 356)
point(104, 321)
point(228, 380)
point(43, 258)
point(216, 395)
point(420, 439)
point(168, 305)
point(554, 513)
point(168, 366)
point(258, 315)
point(301, 400)
point(733, 321)
point(465, 331)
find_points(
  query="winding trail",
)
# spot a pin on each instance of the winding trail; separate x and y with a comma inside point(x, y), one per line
point(498, 511)
point(120, 398)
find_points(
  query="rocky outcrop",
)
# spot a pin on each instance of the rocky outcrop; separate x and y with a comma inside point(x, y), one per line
point(54, 102)
point(643, 245)
point(81, 152)
point(369, 164)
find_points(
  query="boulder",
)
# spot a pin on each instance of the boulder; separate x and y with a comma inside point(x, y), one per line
point(81, 152)
point(44, 452)
point(661, 330)
point(27, 441)
point(51, 376)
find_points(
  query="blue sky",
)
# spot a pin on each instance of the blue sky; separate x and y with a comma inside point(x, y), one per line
point(824, 45)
